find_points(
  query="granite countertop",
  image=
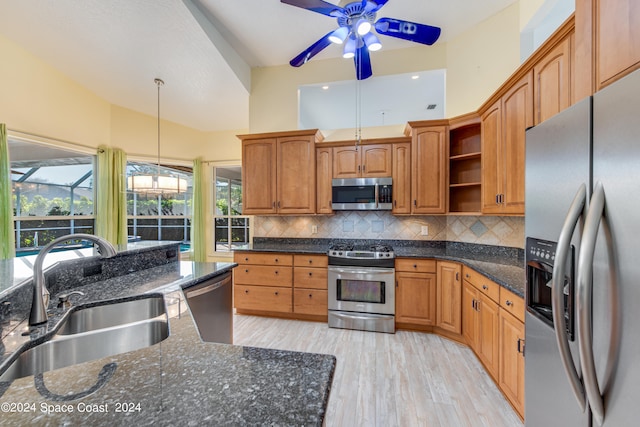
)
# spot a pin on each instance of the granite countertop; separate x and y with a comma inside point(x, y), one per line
point(179, 381)
point(504, 266)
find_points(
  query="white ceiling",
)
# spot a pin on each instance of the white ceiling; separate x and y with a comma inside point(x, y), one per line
point(202, 49)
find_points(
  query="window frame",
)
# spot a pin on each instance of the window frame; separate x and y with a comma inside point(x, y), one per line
point(213, 216)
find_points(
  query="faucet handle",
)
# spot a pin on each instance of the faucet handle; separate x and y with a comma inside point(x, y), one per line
point(63, 299)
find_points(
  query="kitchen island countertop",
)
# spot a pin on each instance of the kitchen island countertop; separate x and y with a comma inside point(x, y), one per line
point(179, 381)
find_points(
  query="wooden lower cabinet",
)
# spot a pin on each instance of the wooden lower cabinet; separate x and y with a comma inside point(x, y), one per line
point(310, 285)
point(480, 326)
point(263, 298)
point(449, 297)
point(511, 371)
point(416, 298)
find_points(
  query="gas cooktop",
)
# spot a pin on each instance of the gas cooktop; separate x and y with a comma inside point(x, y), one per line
point(349, 250)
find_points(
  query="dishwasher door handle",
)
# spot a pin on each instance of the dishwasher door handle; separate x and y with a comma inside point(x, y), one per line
point(201, 291)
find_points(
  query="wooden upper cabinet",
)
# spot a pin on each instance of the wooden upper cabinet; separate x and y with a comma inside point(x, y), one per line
point(517, 105)
point(324, 173)
point(279, 173)
point(259, 176)
point(296, 178)
point(617, 41)
point(503, 149)
point(491, 136)
point(552, 82)
point(365, 161)
point(401, 174)
point(429, 167)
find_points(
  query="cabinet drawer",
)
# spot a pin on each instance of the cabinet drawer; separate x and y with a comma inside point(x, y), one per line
point(263, 298)
point(416, 265)
point(512, 303)
point(310, 260)
point(263, 258)
point(315, 278)
point(263, 275)
point(310, 301)
point(484, 285)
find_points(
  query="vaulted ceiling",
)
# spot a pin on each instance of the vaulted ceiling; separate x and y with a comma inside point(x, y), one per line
point(203, 49)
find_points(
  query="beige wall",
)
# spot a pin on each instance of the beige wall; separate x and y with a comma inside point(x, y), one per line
point(38, 99)
point(481, 59)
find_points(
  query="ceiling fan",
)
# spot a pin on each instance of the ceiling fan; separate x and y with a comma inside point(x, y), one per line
point(355, 23)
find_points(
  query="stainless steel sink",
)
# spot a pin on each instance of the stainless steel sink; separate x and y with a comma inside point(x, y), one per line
point(108, 315)
point(95, 333)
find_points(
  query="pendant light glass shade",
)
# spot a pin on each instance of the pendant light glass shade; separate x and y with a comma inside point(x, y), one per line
point(157, 183)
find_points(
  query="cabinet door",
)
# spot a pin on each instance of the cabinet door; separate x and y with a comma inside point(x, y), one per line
point(517, 110)
point(552, 82)
point(491, 135)
point(376, 161)
point(296, 178)
point(489, 339)
point(401, 174)
point(449, 295)
point(617, 30)
point(324, 173)
point(511, 372)
point(469, 316)
point(416, 298)
point(259, 176)
point(346, 162)
point(263, 298)
point(429, 167)
point(310, 301)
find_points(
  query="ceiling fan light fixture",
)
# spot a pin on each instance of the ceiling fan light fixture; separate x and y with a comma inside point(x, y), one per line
point(372, 42)
point(350, 48)
point(339, 35)
point(363, 26)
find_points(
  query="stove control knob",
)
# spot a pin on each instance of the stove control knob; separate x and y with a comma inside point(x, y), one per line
point(339, 253)
point(388, 255)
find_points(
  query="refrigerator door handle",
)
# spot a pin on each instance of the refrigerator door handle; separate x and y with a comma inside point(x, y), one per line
point(557, 293)
point(585, 297)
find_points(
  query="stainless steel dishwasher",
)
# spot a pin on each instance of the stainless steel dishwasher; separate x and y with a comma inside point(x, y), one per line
point(211, 307)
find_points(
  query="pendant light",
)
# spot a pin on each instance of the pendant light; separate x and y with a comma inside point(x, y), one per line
point(157, 183)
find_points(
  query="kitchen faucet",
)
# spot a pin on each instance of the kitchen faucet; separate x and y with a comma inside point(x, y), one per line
point(40, 293)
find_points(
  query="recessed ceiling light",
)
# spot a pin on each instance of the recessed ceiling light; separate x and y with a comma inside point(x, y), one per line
point(325, 87)
point(415, 77)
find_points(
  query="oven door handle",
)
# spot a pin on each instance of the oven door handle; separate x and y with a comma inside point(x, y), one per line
point(557, 293)
point(360, 270)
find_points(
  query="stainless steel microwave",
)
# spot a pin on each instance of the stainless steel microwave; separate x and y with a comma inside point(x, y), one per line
point(362, 194)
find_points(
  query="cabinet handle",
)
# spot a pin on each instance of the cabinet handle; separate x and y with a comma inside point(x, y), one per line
point(509, 303)
point(246, 270)
point(310, 261)
point(274, 205)
point(364, 168)
point(276, 271)
point(467, 275)
point(521, 346)
point(415, 265)
point(497, 199)
point(485, 287)
point(310, 274)
point(278, 204)
point(415, 202)
point(310, 295)
point(246, 291)
point(473, 304)
point(457, 276)
point(276, 293)
point(395, 203)
point(396, 283)
point(276, 260)
point(358, 168)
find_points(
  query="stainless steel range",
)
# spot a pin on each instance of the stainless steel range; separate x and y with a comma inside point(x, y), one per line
point(362, 292)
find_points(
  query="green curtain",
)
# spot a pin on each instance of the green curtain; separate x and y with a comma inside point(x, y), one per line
point(199, 213)
point(111, 206)
point(7, 236)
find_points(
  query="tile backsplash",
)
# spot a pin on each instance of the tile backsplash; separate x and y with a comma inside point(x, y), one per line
point(489, 230)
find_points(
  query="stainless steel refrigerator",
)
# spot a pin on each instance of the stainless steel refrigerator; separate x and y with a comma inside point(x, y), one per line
point(582, 223)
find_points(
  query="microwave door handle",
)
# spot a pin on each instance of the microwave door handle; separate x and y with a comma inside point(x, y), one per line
point(557, 293)
point(376, 194)
point(585, 297)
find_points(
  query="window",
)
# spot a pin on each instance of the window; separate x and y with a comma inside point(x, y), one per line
point(232, 229)
point(159, 217)
point(52, 193)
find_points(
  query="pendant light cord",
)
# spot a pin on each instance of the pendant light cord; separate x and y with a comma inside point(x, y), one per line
point(159, 83)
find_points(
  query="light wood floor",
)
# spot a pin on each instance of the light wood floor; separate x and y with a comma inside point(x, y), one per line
point(404, 379)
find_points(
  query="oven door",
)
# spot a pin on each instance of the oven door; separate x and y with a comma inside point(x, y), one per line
point(362, 289)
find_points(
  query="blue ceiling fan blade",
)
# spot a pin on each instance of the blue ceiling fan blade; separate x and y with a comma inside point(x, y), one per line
point(373, 5)
point(406, 30)
point(363, 63)
point(311, 51)
point(318, 6)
